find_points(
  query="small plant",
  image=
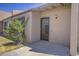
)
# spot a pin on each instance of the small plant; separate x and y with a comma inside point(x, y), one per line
point(15, 31)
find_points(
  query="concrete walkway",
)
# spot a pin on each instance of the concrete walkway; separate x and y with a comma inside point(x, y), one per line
point(40, 48)
point(23, 52)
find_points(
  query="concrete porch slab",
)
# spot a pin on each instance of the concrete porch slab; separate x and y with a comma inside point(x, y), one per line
point(50, 48)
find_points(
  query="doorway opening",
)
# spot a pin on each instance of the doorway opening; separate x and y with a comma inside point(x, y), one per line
point(45, 28)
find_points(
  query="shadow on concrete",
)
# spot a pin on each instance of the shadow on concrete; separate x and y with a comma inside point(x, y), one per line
point(49, 48)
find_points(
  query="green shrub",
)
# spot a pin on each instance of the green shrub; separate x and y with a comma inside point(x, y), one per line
point(15, 31)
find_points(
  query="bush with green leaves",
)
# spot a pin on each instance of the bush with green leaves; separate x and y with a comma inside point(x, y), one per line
point(15, 31)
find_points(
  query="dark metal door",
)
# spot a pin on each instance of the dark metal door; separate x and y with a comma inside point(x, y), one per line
point(45, 28)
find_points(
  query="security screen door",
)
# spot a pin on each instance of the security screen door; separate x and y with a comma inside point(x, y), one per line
point(45, 28)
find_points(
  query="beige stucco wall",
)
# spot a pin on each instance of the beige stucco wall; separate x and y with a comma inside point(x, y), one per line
point(28, 28)
point(78, 30)
point(74, 36)
point(35, 35)
point(59, 31)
